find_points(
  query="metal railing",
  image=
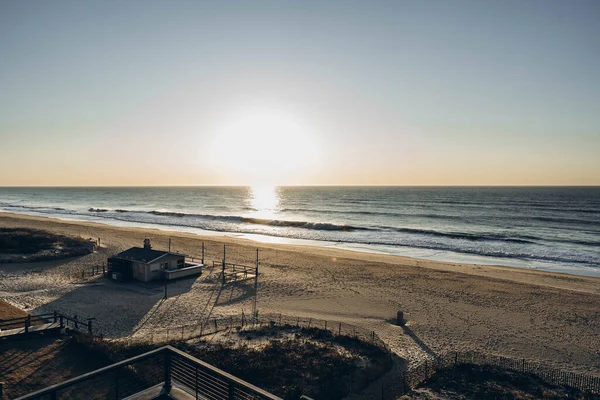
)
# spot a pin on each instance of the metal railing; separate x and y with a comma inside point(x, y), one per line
point(161, 369)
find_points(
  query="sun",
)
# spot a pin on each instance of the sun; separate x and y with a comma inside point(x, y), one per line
point(265, 146)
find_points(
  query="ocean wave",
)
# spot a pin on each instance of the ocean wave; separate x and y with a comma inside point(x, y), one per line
point(466, 236)
point(485, 244)
point(324, 226)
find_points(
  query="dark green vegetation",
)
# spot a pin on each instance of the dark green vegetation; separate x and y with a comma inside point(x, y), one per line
point(25, 245)
point(289, 361)
point(468, 381)
point(35, 363)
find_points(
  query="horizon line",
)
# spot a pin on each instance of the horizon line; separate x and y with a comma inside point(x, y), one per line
point(295, 185)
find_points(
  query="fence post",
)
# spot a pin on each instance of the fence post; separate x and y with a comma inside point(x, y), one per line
point(231, 390)
point(340, 329)
point(55, 318)
point(167, 385)
point(90, 326)
point(196, 376)
point(62, 323)
point(309, 321)
point(27, 323)
point(117, 383)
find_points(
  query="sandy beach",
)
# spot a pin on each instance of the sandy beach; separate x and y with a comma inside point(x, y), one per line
point(519, 313)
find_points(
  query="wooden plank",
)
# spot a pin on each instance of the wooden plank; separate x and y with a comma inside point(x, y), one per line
point(32, 329)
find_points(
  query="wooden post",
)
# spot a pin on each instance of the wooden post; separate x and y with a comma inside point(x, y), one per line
point(169, 245)
point(202, 253)
point(27, 323)
point(167, 377)
point(400, 318)
point(55, 316)
point(223, 266)
point(255, 287)
point(90, 326)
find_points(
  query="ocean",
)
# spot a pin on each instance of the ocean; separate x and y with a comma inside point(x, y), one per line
point(546, 228)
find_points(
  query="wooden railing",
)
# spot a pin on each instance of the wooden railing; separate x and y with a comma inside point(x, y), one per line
point(62, 320)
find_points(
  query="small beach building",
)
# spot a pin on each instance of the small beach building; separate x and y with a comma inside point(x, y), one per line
point(146, 264)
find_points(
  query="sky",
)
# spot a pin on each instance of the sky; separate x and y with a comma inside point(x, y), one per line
point(448, 92)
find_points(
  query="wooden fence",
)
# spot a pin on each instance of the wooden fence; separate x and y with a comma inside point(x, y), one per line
point(404, 381)
point(51, 320)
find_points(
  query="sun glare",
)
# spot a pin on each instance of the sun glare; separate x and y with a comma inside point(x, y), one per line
point(264, 200)
point(264, 147)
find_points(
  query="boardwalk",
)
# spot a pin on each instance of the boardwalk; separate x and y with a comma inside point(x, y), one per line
point(49, 327)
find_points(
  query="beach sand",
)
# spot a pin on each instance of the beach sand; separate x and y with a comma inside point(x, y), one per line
point(448, 306)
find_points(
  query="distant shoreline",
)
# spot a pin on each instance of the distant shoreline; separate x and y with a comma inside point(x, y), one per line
point(302, 246)
point(393, 251)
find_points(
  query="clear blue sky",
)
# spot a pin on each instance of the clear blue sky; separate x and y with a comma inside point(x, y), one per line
point(386, 92)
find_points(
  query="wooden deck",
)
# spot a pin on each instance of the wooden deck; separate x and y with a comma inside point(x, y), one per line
point(156, 393)
point(32, 330)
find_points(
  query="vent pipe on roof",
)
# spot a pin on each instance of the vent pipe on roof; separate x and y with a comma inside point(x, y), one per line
point(147, 244)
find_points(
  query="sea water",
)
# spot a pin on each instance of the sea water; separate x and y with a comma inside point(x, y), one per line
point(548, 228)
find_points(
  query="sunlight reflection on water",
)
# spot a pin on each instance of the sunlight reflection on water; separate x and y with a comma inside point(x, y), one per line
point(264, 199)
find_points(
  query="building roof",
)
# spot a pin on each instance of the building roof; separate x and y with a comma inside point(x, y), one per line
point(144, 255)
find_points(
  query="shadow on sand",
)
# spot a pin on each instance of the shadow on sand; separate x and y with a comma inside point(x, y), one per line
point(118, 307)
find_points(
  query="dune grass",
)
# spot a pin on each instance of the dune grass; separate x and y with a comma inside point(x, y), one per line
point(25, 245)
